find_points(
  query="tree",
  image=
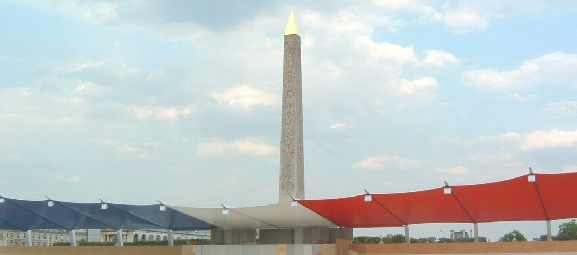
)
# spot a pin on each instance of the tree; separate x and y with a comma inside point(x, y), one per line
point(367, 239)
point(394, 239)
point(424, 240)
point(568, 231)
point(515, 235)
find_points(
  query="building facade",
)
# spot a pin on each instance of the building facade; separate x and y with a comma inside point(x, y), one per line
point(460, 235)
point(131, 236)
point(39, 237)
point(52, 237)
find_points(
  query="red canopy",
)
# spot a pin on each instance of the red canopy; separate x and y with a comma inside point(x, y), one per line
point(548, 197)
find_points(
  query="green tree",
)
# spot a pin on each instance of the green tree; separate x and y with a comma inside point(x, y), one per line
point(568, 231)
point(424, 240)
point(367, 239)
point(515, 235)
point(394, 239)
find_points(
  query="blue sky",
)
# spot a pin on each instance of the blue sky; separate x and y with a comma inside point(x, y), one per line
point(139, 101)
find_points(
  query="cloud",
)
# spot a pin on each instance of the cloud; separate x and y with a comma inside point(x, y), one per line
point(243, 147)
point(455, 170)
point(462, 20)
point(521, 98)
point(567, 106)
point(386, 162)
point(245, 97)
point(153, 112)
point(401, 5)
point(385, 51)
point(86, 88)
point(549, 139)
point(341, 125)
point(90, 11)
point(131, 150)
point(535, 140)
point(72, 179)
point(81, 66)
point(424, 85)
point(505, 137)
point(556, 68)
point(458, 18)
point(350, 62)
point(439, 59)
point(491, 158)
point(217, 14)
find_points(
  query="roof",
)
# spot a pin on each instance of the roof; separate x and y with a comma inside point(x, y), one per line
point(525, 198)
point(49, 214)
point(263, 217)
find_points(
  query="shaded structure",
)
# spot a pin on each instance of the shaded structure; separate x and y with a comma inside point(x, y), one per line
point(270, 224)
point(50, 214)
point(532, 197)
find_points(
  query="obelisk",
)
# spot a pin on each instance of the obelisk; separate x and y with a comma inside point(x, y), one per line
point(291, 181)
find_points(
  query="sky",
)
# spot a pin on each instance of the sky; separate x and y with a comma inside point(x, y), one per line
point(179, 101)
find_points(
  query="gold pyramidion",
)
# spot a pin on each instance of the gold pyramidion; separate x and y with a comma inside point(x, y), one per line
point(291, 27)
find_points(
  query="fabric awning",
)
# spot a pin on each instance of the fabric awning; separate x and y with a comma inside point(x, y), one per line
point(525, 198)
point(27, 215)
point(263, 217)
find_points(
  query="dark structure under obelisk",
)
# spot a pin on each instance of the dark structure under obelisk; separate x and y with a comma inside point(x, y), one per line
point(291, 181)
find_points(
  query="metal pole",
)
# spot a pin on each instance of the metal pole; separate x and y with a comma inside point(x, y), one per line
point(119, 238)
point(28, 238)
point(476, 232)
point(407, 235)
point(549, 235)
point(170, 238)
point(72, 235)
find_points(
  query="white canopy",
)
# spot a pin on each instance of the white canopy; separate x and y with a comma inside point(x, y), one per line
point(262, 217)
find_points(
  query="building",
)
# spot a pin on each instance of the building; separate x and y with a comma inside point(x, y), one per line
point(52, 237)
point(460, 235)
point(39, 237)
point(131, 236)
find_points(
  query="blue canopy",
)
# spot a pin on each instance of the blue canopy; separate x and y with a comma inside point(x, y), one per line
point(49, 214)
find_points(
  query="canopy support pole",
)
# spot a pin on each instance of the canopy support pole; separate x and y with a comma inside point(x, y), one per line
point(476, 232)
point(29, 238)
point(72, 235)
point(170, 238)
point(407, 234)
point(549, 235)
point(119, 238)
point(545, 212)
